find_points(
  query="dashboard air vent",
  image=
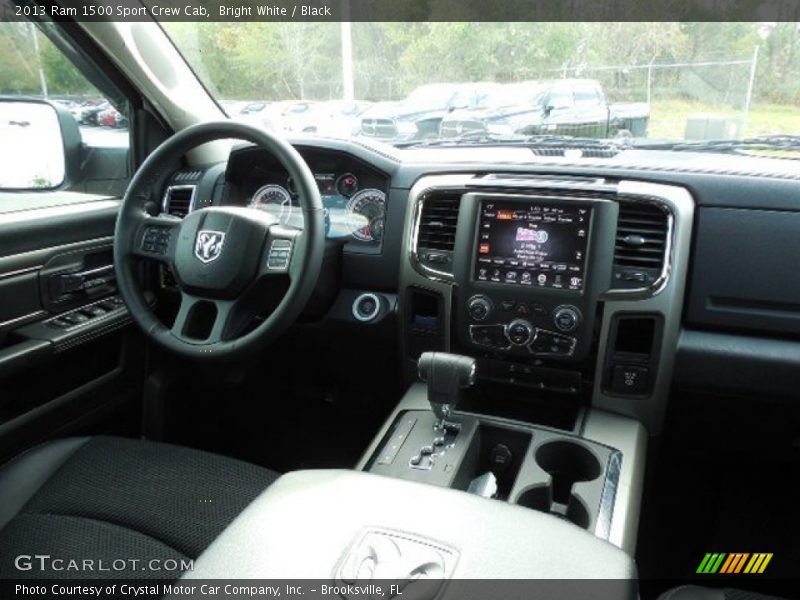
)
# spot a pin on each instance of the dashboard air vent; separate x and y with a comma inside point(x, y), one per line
point(641, 244)
point(437, 221)
point(179, 200)
point(436, 232)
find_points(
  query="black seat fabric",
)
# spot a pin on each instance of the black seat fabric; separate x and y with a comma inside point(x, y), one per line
point(696, 592)
point(106, 498)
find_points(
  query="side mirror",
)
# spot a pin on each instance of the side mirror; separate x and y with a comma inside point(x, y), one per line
point(40, 145)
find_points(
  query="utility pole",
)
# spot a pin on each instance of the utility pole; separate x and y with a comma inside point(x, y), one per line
point(348, 85)
point(42, 81)
point(750, 85)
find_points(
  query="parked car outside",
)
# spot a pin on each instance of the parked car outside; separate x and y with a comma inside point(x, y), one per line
point(335, 118)
point(261, 113)
point(419, 115)
point(90, 110)
point(575, 107)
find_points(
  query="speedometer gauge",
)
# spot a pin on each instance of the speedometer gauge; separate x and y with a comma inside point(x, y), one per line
point(366, 212)
point(273, 199)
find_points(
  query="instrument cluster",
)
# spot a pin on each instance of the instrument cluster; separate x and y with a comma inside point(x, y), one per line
point(355, 203)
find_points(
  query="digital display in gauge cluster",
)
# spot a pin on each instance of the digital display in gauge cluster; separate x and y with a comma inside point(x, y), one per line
point(353, 209)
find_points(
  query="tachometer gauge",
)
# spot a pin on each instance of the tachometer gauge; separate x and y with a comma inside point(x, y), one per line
point(347, 184)
point(275, 200)
point(365, 215)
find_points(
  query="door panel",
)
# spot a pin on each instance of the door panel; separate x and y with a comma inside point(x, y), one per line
point(70, 361)
point(58, 377)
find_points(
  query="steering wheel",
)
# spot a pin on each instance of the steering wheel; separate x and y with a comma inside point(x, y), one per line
point(218, 254)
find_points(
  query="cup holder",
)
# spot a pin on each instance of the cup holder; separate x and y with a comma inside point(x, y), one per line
point(567, 463)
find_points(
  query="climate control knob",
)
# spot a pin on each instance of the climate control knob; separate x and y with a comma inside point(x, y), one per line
point(520, 332)
point(566, 318)
point(479, 307)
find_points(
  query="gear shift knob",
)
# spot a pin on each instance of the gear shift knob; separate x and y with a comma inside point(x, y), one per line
point(446, 375)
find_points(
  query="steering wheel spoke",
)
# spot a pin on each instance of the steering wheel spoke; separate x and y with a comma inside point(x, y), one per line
point(282, 251)
point(205, 321)
point(156, 238)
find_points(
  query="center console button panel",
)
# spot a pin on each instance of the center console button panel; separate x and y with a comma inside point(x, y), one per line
point(537, 342)
point(479, 307)
point(531, 268)
point(549, 343)
point(492, 337)
point(566, 318)
point(630, 379)
point(520, 332)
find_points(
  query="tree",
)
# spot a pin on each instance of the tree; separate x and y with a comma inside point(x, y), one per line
point(18, 71)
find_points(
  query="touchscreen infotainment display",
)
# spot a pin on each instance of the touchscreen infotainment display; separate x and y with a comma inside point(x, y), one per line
point(537, 245)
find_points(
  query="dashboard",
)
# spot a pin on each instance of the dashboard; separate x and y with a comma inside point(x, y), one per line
point(353, 193)
point(568, 276)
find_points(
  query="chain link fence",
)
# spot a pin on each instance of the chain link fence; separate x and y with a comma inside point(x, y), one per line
point(716, 94)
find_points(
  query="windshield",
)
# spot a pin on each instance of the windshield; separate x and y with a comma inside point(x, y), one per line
point(433, 96)
point(401, 83)
point(516, 94)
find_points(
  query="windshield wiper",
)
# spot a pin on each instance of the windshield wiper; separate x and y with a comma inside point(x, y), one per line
point(471, 137)
point(479, 138)
point(722, 146)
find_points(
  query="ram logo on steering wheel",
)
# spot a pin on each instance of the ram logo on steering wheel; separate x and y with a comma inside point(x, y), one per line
point(208, 245)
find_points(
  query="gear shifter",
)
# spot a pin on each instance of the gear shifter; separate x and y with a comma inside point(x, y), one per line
point(446, 375)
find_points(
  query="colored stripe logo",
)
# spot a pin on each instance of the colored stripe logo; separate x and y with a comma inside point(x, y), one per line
point(734, 563)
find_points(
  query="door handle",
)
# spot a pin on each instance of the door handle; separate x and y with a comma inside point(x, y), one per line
point(84, 280)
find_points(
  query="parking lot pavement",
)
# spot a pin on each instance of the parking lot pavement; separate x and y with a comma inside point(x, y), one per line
point(104, 137)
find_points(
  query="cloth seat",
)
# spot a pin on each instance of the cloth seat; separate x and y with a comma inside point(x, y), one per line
point(106, 499)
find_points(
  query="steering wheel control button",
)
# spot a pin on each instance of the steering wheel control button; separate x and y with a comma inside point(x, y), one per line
point(366, 307)
point(566, 318)
point(520, 332)
point(156, 240)
point(629, 379)
point(489, 336)
point(479, 308)
point(280, 252)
